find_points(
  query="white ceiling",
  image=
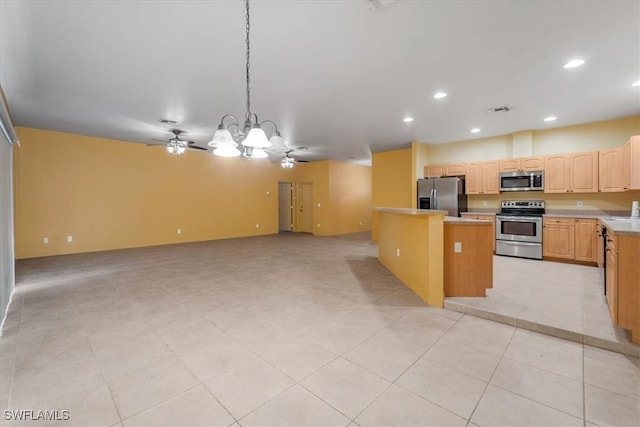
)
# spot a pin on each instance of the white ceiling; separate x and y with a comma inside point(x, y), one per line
point(336, 76)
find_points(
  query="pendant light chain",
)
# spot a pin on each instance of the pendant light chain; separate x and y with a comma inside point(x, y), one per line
point(248, 88)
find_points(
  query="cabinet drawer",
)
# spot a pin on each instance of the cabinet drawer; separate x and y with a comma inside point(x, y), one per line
point(557, 221)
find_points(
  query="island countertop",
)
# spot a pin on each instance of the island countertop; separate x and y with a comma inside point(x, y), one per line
point(408, 211)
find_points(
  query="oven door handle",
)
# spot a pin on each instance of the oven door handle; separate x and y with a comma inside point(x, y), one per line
point(518, 219)
point(514, 243)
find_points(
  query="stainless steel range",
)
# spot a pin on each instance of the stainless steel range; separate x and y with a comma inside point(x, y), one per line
point(519, 228)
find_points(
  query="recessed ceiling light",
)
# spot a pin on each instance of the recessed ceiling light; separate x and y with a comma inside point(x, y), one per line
point(407, 119)
point(550, 118)
point(475, 130)
point(574, 63)
point(636, 83)
point(440, 95)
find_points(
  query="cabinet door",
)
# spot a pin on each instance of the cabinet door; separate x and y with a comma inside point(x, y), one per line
point(610, 170)
point(584, 172)
point(490, 177)
point(434, 170)
point(631, 165)
point(612, 284)
point(509, 165)
point(558, 238)
point(556, 174)
point(455, 169)
point(474, 178)
point(586, 240)
point(532, 163)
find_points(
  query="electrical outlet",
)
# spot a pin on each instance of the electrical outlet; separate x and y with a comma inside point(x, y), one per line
point(579, 203)
point(45, 240)
point(398, 252)
point(318, 225)
point(179, 231)
point(319, 205)
point(257, 225)
point(484, 203)
point(69, 239)
point(457, 247)
point(360, 222)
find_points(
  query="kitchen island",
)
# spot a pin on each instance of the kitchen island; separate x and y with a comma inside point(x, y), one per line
point(411, 244)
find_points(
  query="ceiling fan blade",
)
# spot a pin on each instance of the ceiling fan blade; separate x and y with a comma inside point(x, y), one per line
point(196, 147)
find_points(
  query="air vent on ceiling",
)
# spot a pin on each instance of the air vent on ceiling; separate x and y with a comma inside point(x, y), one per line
point(167, 121)
point(504, 109)
point(378, 5)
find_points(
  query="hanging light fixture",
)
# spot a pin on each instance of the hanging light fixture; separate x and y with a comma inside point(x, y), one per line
point(287, 162)
point(176, 146)
point(231, 140)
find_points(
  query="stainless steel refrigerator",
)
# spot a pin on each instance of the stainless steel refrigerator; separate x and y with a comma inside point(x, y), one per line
point(443, 194)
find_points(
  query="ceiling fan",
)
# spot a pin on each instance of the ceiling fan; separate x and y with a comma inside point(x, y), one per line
point(288, 161)
point(176, 145)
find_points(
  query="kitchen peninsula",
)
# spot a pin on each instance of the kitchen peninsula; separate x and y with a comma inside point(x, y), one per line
point(414, 245)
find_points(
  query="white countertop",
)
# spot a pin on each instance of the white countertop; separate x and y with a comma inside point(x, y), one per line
point(457, 220)
point(409, 211)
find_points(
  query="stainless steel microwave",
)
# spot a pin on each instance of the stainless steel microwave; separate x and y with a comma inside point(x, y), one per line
point(522, 181)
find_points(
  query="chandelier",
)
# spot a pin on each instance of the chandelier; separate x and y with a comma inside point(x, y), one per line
point(250, 140)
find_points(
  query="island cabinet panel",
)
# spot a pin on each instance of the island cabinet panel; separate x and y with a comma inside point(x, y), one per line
point(558, 238)
point(468, 269)
point(610, 170)
point(586, 240)
point(484, 217)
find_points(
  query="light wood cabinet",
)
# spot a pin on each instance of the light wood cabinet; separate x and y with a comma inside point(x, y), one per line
point(522, 164)
point(482, 177)
point(610, 170)
point(558, 238)
point(631, 164)
point(571, 173)
point(586, 240)
point(485, 217)
point(452, 169)
point(612, 279)
point(570, 238)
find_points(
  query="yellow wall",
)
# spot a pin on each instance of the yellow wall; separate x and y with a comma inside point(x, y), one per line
point(585, 137)
point(420, 263)
point(498, 147)
point(350, 198)
point(111, 194)
point(392, 177)
point(393, 182)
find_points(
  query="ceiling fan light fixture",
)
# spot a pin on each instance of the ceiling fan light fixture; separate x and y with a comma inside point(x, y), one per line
point(176, 147)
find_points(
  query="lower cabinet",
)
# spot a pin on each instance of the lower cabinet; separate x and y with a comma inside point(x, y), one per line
point(623, 288)
point(485, 217)
point(570, 238)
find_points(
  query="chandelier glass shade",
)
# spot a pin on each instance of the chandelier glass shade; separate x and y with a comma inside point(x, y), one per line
point(250, 140)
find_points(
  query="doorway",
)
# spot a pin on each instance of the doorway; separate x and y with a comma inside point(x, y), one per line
point(285, 206)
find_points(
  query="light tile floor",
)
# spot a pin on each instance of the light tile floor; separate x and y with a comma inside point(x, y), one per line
point(563, 300)
point(282, 330)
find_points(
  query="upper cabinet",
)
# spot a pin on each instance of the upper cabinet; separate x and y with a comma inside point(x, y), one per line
point(571, 173)
point(610, 166)
point(482, 177)
point(452, 169)
point(522, 164)
point(631, 164)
